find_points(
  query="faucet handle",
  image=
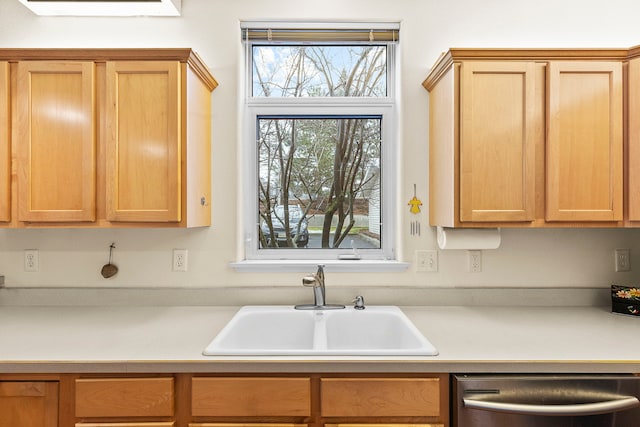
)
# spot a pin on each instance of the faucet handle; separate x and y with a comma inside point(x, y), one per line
point(310, 281)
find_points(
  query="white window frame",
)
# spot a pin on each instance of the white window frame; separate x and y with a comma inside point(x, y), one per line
point(384, 259)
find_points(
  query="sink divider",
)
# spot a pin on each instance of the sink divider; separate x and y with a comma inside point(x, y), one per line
point(319, 332)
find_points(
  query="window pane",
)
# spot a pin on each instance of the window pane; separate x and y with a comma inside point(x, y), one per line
point(319, 71)
point(326, 170)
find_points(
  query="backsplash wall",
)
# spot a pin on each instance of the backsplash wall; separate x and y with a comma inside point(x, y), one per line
point(526, 258)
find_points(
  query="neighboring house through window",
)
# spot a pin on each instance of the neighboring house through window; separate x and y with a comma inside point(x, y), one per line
point(321, 141)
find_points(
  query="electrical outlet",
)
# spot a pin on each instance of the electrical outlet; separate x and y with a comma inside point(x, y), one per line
point(179, 260)
point(31, 262)
point(475, 261)
point(623, 260)
point(427, 261)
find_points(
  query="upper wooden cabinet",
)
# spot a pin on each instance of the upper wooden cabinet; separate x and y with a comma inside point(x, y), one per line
point(109, 138)
point(5, 145)
point(56, 142)
point(497, 176)
point(633, 131)
point(143, 141)
point(584, 141)
point(526, 138)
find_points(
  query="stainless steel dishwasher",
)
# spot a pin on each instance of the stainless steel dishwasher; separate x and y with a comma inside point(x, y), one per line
point(546, 400)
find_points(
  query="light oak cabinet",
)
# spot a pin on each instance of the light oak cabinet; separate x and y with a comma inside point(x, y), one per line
point(109, 138)
point(5, 145)
point(633, 153)
point(584, 168)
point(143, 141)
point(56, 141)
point(225, 400)
point(28, 403)
point(526, 138)
point(155, 111)
point(497, 162)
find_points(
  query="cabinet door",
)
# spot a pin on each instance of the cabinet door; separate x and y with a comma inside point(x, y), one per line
point(28, 404)
point(56, 141)
point(584, 141)
point(5, 145)
point(633, 161)
point(144, 135)
point(497, 146)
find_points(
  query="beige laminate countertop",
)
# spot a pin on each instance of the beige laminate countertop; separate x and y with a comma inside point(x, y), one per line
point(170, 339)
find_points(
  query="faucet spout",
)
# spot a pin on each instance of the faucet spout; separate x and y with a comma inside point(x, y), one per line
point(316, 281)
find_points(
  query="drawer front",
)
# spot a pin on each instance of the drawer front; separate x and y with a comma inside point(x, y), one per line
point(246, 425)
point(162, 424)
point(125, 397)
point(384, 425)
point(380, 397)
point(251, 397)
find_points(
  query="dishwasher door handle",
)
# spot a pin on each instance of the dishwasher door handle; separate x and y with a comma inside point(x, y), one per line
point(604, 407)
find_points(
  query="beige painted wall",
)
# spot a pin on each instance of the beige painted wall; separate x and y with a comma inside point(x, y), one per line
point(545, 258)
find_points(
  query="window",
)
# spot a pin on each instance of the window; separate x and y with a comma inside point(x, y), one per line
point(320, 141)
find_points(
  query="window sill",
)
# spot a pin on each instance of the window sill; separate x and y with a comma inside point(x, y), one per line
point(303, 266)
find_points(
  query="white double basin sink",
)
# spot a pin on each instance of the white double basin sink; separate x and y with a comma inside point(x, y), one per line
point(285, 331)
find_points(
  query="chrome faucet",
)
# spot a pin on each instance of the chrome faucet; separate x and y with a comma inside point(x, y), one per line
point(316, 281)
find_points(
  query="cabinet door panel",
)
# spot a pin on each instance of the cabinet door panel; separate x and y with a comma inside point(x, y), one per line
point(56, 141)
point(28, 404)
point(143, 142)
point(584, 141)
point(497, 151)
point(5, 145)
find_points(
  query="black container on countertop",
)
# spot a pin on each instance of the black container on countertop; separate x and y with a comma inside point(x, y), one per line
point(625, 300)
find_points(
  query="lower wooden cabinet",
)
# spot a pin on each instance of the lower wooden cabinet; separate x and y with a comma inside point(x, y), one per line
point(229, 400)
point(28, 404)
point(321, 400)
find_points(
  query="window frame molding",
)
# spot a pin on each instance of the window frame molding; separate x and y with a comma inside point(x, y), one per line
point(251, 257)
